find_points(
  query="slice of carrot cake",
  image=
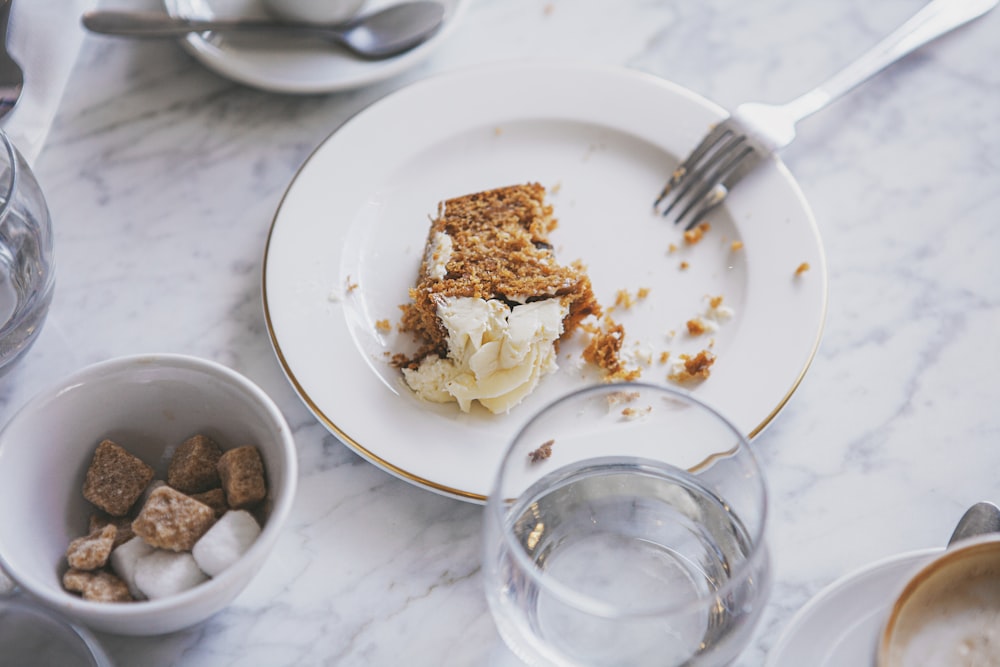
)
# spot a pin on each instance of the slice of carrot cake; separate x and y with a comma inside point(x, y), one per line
point(491, 302)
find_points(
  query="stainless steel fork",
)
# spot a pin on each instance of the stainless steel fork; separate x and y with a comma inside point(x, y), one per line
point(11, 75)
point(733, 147)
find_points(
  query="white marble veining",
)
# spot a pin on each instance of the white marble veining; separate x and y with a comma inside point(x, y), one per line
point(163, 177)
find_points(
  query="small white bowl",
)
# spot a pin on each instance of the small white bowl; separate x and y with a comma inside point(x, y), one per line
point(147, 404)
point(314, 11)
point(949, 612)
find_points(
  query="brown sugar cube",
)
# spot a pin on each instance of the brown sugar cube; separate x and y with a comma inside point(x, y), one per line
point(153, 486)
point(115, 479)
point(171, 520)
point(76, 580)
point(193, 466)
point(242, 474)
point(216, 499)
point(91, 551)
point(122, 524)
point(98, 586)
point(106, 587)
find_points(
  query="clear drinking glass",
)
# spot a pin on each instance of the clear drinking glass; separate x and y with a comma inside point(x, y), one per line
point(26, 269)
point(34, 635)
point(626, 526)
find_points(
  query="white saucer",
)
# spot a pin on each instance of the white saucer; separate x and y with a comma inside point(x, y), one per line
point(296, 68)
point(840, 626)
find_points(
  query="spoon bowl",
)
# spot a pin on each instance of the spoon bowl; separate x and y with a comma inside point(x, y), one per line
point(11, 74)
point(381, 34)
point(980, 519)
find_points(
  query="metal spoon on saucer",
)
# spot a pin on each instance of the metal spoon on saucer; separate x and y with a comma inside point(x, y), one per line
point(979, 519)
point(381, 34)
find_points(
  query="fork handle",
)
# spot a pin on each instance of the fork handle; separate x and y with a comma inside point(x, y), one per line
point(934, 20)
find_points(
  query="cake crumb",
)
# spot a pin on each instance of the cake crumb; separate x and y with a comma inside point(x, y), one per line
point(625, 299)
point(736, 245)
point(664, 357)
point(604, 351)
point(672, 248)
point(696, 326)
point(638, 354)
point(802, 268)
point(383, 325)
point(619, 397)
point(635, 413)
point(693, 367)
point(685, 266)
point(543, 452)
point(696, 233)
point(350, 285)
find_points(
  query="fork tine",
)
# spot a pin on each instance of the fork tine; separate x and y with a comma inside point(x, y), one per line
point(714, 187)
point(751, 156)
point(708, 170)
point(703, 180)
point(718, 133)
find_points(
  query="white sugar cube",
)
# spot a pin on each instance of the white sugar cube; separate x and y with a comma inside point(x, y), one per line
point(124, 559)
point(164, 573)
point(225, 541)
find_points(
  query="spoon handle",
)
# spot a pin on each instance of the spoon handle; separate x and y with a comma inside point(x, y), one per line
point(143, 24)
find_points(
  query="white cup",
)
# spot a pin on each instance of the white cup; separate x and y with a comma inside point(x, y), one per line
point(315, 11)
point(947, 612)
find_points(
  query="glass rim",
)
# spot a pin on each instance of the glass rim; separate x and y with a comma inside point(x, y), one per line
point(498, 507)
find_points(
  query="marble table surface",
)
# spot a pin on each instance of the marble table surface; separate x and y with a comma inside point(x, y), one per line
point(163, 177)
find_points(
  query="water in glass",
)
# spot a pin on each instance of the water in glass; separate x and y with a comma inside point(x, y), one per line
point(629, 547)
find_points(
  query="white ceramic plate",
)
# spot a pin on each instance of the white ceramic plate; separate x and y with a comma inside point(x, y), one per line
point(303, 68)
point(842, 623)
point(346, 243)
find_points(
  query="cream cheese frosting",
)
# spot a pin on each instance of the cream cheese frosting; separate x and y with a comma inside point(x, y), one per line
point(496, 354)
point(438, 254)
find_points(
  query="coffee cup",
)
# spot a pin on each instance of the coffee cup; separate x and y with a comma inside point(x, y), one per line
point(948, 613)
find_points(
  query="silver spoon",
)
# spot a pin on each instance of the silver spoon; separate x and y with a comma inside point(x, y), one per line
point(979, 519)
point(381, 34)
point(11, 74)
